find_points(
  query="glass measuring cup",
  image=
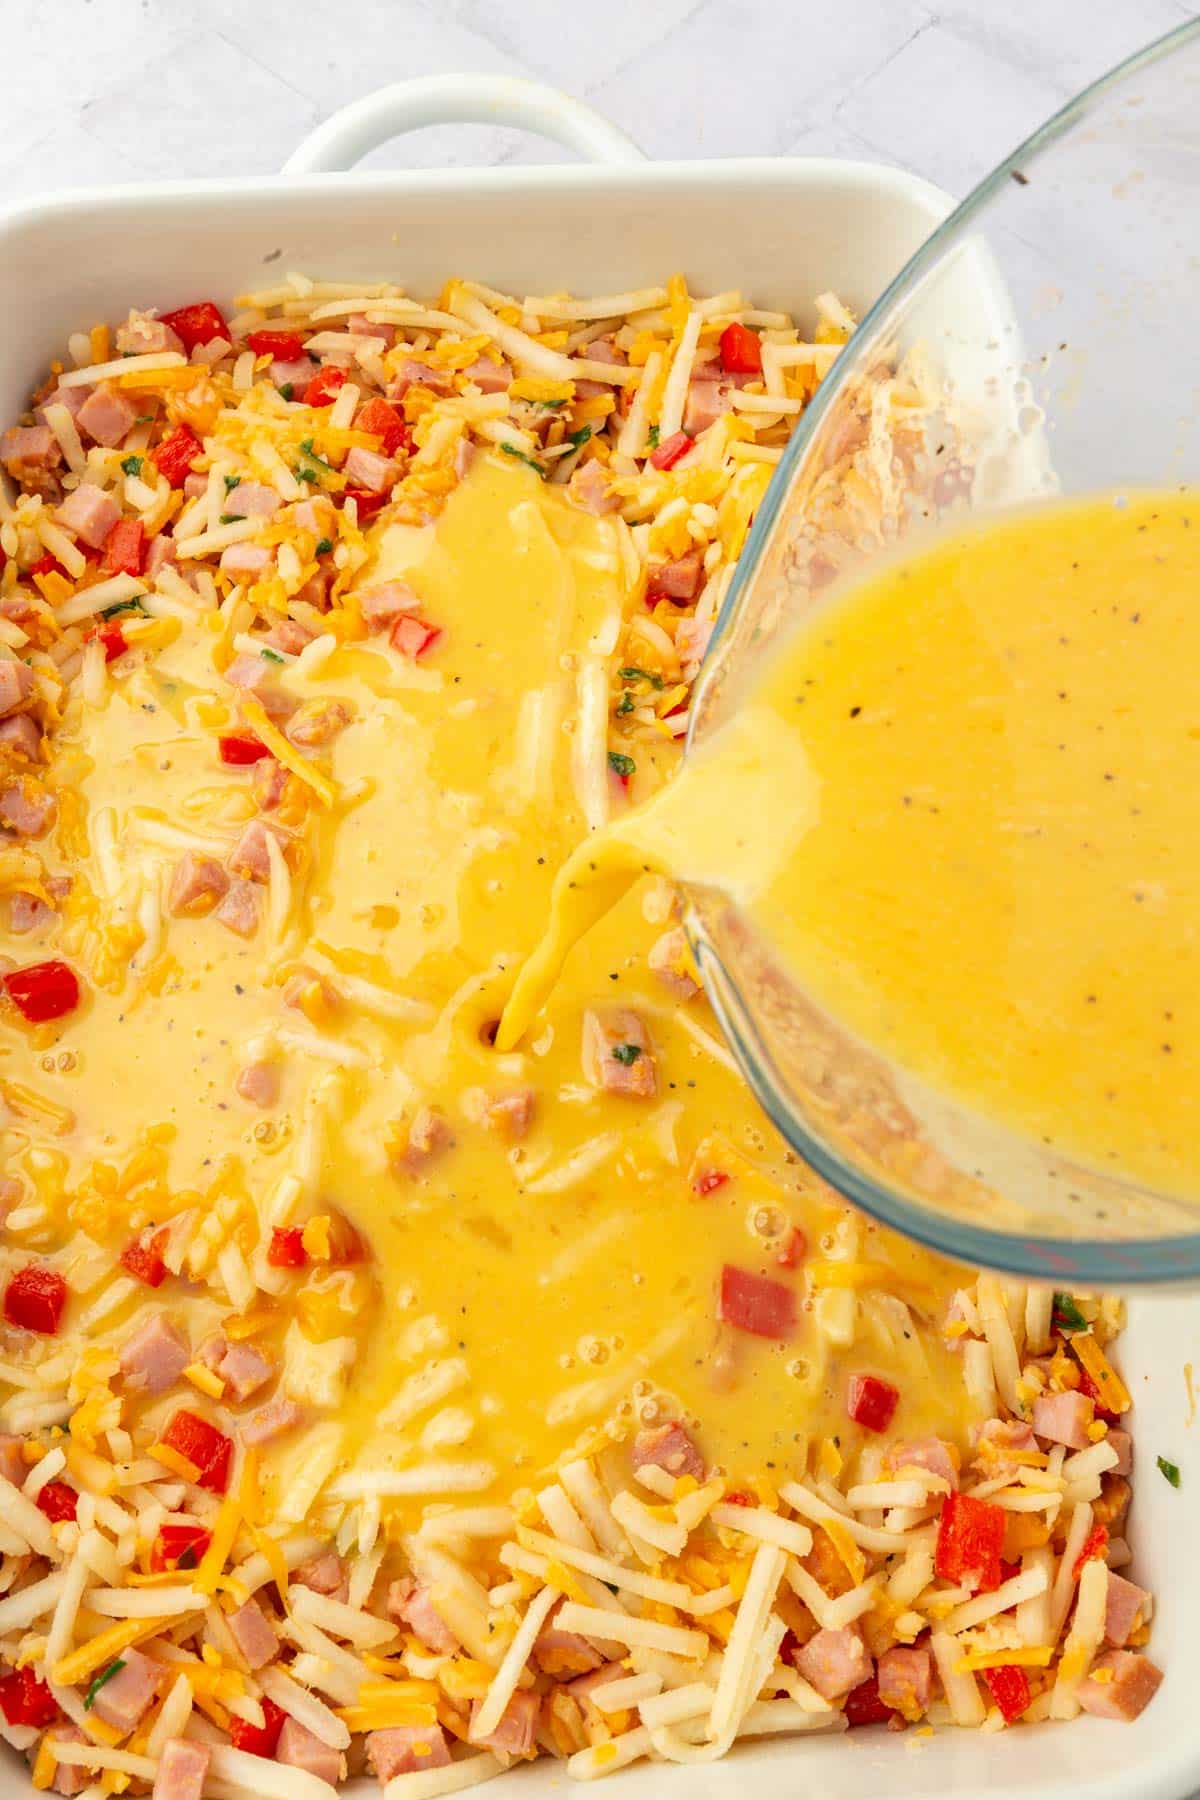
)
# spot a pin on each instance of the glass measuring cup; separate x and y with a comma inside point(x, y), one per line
point(1038, 345)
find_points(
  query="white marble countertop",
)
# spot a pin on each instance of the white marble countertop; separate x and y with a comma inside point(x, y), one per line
point(149, 89)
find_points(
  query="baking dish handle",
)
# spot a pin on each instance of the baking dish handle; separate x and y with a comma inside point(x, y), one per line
point(457, 100)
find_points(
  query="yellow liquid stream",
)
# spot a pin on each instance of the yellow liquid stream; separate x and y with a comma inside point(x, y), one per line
point(960, 804)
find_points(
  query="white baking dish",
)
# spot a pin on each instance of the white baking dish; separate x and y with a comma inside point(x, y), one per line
point(783, 231)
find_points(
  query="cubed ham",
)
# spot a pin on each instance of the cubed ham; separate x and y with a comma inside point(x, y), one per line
point(29, 447)
point(589, 489)
point(90, 513)
point(69, 1778)
point(239, 910)
point(413, 373)
point(933, 1454)
point(691, 643)
point(26, 807)
point(107, 415)
point(126, 1695)
point(1118, 1440)
point(250, 857)
point(1064, 1418)
point(245, 562)
point(668, 1447)
point(258, 1083)
point(680, 579)
point(271, 1421)
point(489, 377)
point(428, 1133)
point(583, 1687)
point(1120, 1686)
point(316, 515)
point(671, 960)
point(300, 1748)
point(270, 783)
point(324, 1574)
point(403, 1749)
point(905, 1680)
point(1124, 1607)
point(560, 1653)
point(706, 401)
point(367, 469)
point(834, 1662)
point(410, 1605)
point(12, 1461)
point(160, 554)
point(196, 886)
point(317, 723)
point(510, 1115)
point(71, 397)
point(155, 1356)
point(1004, 1445)
point(359, 325)
point(249, 672)
point(253, 1633)
point(381, 606)
point(195, 485)
point(294, 375)
point(27, 913)
point(515, 1733)
point(252, 499)
point(289, 636)
point(465, 453)
point(244, 1370)
point(617, 1054)
point(144, 335)
point(315, 592)
point(16, 686)
point(22, 737)
point(181, 1771)
point(306, 989)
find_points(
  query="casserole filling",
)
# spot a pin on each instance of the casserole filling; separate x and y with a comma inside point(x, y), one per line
point(374, 1399)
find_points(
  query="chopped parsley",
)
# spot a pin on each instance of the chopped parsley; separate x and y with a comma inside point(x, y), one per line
point(1169, 1470)
point(132, 605)
point(132, 465)
point(315, 466)
point(1066, 1316)
point(624, 705)
point(550, 405)
point(105, 1675)
point(511, 450)
point(626, 1054)
point(652, 437)
point(632, 673)
point(324, 546)
point(231, 481)
point(270, 655)
point(579, 438)
point(231, 518)
point(286, 390)
point(621, 764)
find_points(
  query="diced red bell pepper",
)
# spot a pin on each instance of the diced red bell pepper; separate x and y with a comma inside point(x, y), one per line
point(125, 547)
point(707, 1181)
point(668, 453)
point(199, 323)
point(48, 565)
point(1088, 1386)
point(286, 1249)
point(793, 1250)
point(203, 1445)
point(1095, 1547)
point(284, 346)
point(240, 748)
point(42, 991)
point(24, 1700)
point(144, 1260)
point(741, 350)
point(174, 457)
point(323, 386)
point(970, 1542)
point(58, 1502)
point(368, 503)
point(412, 636)
point(179, 1547)
point(34, 1299)
point(259, 1740)
point(871, 1402)
point(1009, 1688)
point(381, 418)
point(863, 1706)
point(756, 1303)
point(113, 639)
